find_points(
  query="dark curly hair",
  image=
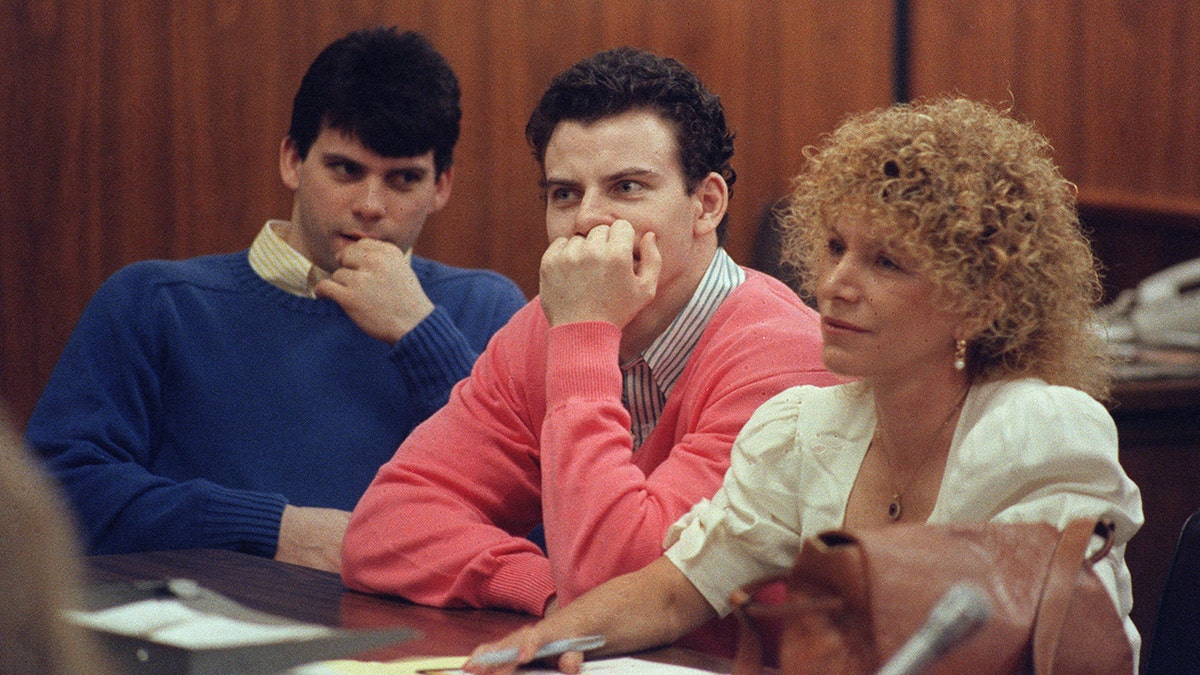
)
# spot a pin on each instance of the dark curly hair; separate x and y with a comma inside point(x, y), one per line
point(392, 91)
point(974, 196)
point(623, 79)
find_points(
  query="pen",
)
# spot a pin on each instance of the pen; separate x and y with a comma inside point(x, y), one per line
point(554, 648)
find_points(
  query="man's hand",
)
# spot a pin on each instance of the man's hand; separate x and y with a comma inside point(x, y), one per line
point(312, 537)
point(610, 275)
point(378, 289)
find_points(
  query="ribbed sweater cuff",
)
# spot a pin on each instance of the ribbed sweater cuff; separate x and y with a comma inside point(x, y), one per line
point(582, 361)
point(243, 520)
point(523, 583)
point(434, 355)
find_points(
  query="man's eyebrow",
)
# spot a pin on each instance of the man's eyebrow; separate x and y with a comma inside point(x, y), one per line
point(419, 170)
point(614, 177)
point(547, 183)
point(333, 157)
point(632, 172)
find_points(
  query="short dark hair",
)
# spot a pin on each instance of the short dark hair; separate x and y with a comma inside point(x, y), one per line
point(623, 79)
point(392, 91)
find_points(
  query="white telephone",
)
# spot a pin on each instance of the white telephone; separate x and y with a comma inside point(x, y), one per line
point(1163, 310)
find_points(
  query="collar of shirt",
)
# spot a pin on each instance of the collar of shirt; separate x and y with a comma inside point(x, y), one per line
point(669, 352)
point(280, 265)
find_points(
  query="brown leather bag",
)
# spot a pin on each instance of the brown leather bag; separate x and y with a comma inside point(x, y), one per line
point(855, 597)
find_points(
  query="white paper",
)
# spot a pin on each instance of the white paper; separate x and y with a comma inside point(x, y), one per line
point(635, 666)
point(624, 665)
point(170, 622)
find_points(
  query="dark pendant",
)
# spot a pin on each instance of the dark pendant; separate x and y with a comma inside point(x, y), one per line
point(894, 508)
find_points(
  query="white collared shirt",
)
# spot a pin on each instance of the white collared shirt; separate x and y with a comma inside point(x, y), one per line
point(647, 379)
point(282, 266)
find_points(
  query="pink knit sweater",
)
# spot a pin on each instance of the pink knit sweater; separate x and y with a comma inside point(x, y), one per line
point(537, 433)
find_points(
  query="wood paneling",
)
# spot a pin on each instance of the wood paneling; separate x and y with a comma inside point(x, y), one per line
point(145, 128)
point(150, 128)
point(1115, 85)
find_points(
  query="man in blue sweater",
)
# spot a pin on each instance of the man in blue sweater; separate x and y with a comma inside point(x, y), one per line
point(244, 401)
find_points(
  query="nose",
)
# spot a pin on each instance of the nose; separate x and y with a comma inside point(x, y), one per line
point(593, 210)
point(369, 205)
point(837, 279)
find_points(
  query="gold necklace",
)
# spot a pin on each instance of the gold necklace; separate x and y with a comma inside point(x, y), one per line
point(895, 508)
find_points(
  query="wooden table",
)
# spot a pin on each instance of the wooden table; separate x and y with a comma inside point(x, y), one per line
point(313, 596)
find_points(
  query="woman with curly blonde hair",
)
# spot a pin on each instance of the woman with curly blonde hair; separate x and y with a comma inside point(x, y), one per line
point(974, 198)
point(956, 291)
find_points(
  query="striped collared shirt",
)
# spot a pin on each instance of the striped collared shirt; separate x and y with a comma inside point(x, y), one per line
point(282, 266)
point(648, 378)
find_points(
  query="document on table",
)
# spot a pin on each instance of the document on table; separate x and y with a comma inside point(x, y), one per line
point(178, 626)
point(451, 666)
point(169, 621)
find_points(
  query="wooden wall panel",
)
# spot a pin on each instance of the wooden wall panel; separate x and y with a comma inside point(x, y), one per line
point(1142, 109)
point(1114, 84)
point(150, 128)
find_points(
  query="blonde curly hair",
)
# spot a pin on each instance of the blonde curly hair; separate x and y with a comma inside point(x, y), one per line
point(974, 197)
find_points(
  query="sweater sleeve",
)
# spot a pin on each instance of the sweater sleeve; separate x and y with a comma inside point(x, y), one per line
point(96, 428)
point(444, 521)
point(431, 358)
point(439, 351)
point(606, 508)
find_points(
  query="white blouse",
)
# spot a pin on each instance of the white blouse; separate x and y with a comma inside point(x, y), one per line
point(1023, 451)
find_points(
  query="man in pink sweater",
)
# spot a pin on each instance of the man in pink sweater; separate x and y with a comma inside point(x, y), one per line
point(607, 406)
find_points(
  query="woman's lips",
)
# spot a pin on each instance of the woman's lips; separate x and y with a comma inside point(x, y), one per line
point(839, 326)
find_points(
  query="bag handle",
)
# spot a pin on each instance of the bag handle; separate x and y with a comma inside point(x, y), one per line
point(1065, 565)
point(749, 657)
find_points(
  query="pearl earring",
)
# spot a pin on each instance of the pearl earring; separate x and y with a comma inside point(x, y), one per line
point(960, 355)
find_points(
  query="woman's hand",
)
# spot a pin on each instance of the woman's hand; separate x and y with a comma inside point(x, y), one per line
point(653, 606)
point(526, 642)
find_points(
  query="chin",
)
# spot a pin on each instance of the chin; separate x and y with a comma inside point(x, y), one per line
point(840, 364)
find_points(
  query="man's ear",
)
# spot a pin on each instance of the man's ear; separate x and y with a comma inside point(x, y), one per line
point(712, 200)
point(445, 181)
point(289, 163)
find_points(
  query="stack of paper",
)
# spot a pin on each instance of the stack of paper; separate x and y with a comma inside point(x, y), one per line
point(175, 626)
point(451, 666)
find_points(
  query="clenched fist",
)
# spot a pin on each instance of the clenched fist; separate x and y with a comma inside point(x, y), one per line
point(378, 289)
point(609, 275)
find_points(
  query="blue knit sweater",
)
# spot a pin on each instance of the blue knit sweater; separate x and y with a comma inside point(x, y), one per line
point(194, 400)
